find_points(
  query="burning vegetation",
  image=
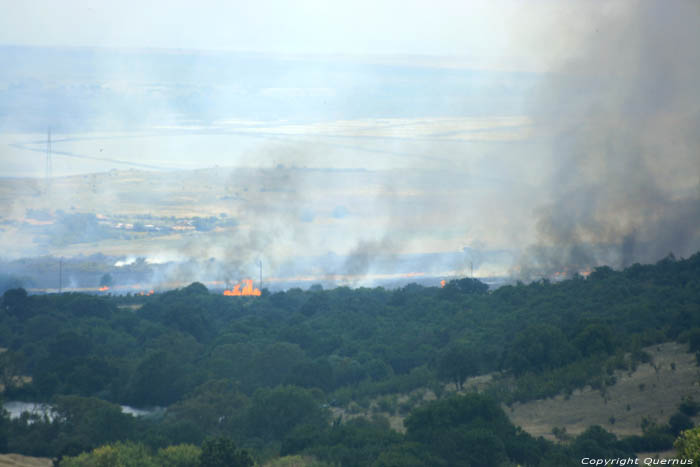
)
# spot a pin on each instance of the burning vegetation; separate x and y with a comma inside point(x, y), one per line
point(247, 290)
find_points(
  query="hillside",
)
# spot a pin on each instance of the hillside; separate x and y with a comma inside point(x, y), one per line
point(289, 373)
point(653, 391)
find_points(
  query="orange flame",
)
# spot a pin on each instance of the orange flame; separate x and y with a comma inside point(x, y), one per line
point(442, 283)
point(145, 294)
point(248, 290)
point(104, 288)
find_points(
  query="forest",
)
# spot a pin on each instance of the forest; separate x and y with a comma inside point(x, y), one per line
point(257, 380)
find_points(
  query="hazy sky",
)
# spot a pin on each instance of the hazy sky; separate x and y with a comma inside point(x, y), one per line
point(574, 122)
point(495, 33)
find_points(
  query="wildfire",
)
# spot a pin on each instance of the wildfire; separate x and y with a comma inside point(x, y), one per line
point(146, 294)
point(442, 283)
point(104, 288)
point(247, 290)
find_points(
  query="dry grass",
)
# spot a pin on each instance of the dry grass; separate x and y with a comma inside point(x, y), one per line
point(653, 391)
point(18, 460)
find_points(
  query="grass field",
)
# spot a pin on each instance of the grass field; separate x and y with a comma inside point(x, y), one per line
point(653, 391)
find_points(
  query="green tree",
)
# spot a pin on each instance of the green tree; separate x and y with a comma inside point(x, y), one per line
point(357, 443)
point(596, 442)
point(470, 430)
point(456, 363)
point(114, 455)
point(215, 407)
point(274, 364)
point(196, 288)
point(16, 302)
point(594, 339)
point(679, 422)
point(688, 445)
point(275, 412)
point(181, 455)
point(539, 347)
point(222, 452)
point(407, 454)
point(89, 422)
point(465, 286)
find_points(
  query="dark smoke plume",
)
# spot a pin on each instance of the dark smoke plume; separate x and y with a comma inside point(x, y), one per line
point(623, 117)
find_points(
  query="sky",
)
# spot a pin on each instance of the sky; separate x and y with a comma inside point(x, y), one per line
point(512, 34)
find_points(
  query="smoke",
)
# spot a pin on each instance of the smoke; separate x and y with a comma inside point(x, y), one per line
point(367, 252)
point(385, 171)
point(622, 114)
point(270, 206)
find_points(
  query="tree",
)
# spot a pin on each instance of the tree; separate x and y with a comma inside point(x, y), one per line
point(273, 365)
point(181, 455)
point(470, 430)
point(215, 407)
point(594, 339)
point(222, 452)
point(89, 421)
point(456, 363)
point(688, 445)
point(158, 380)
point(357, 443)
point(275, 412)
point(598, 443)
point(15, 301)
point(466, 286)
point(407, 455)
point(196, 288)
point(539, 347)
point(115, 455)
point(679, 422)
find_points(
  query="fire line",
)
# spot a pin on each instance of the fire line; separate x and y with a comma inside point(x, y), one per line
point(247, 290)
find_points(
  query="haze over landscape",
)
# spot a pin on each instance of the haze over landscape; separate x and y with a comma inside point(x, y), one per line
point(426, 132)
